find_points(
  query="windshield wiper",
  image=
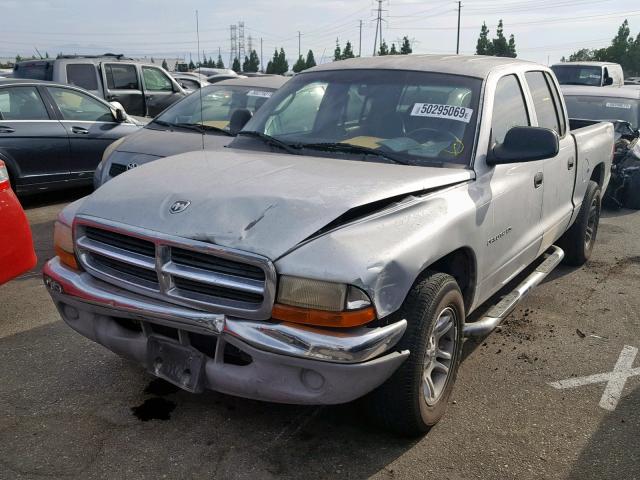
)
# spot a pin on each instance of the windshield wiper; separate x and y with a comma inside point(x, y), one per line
point(201, 128)
point(272, 141)
point(350, 148)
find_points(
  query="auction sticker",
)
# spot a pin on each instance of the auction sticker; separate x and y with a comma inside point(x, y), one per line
point(450, 112)
point(259, 93)
point(626, 106)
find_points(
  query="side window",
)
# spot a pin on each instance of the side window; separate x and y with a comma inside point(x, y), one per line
point(121, 77)
point(22, 103)
point(557, 103)
point(509, 108)
point(82, 75)
point(80, 107)
point(543, 101)
point(155, 80)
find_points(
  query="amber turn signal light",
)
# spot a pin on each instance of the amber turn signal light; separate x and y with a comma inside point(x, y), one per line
point(323, 318)
point(68, 259)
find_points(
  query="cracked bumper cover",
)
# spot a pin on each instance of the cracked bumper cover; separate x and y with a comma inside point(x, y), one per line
point(290, 363)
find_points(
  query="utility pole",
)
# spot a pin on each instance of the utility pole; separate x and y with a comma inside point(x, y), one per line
point(360, 47)
point(378, 27)
point(458, 42)
point(299, 50)
point(261, 59)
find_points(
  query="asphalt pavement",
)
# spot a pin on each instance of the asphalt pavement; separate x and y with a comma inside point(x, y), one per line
point(527, 403)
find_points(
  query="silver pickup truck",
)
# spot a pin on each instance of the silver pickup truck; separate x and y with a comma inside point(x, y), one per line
point(337, 247)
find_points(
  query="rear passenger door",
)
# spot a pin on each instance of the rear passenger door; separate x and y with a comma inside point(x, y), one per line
point(33, 143)
point(159, 91)
point(559, 171)
point(91, 128)
point(123, 85)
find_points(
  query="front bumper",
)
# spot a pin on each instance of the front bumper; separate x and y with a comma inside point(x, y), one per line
point(280, 362)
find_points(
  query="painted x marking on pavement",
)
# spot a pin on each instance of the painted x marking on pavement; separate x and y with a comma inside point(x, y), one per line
point(615, 380)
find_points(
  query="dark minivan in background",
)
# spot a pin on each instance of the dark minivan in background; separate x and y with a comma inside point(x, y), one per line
point(143, 89)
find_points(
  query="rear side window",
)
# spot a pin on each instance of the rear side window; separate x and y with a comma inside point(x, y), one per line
point(122, 77)
point(543, 101)
point(155, 80)
point(509, 108)
point(22, 103)
point(82, 75)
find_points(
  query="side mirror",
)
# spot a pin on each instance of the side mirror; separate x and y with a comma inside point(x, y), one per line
point(525, 144)
point(118, 112)
point(239, 119)
point(608, 81)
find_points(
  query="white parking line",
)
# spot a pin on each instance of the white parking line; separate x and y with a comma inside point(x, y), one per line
point(616, 379)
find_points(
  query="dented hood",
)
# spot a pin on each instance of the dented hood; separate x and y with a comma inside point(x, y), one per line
point(260, 202)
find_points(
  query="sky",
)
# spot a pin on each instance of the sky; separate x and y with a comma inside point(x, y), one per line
point(544, 30)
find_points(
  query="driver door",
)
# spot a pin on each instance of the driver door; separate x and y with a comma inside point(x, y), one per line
point(514, 228)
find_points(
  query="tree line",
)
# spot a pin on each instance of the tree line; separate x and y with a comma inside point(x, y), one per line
point(498, 46)
point(624, 49)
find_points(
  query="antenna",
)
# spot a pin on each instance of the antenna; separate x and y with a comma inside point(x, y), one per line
point(200, 89)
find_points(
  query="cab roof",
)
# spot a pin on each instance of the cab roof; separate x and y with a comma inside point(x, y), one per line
point(583, 64)
point(469, 65)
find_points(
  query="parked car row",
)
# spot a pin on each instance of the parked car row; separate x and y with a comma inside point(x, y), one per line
point(143, 89)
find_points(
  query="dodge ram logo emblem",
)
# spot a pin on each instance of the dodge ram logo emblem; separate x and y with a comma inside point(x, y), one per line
point(131, 166)
point(179, 206)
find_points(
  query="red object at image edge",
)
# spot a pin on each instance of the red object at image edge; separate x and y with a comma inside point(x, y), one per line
point(16, 245)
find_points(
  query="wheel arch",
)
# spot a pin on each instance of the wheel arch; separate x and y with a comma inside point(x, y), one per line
point(598, 174)
point(461, 264)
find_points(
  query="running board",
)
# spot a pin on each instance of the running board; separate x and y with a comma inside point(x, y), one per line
point(497, 313)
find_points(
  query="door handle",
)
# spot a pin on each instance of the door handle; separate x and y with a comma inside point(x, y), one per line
point(80, 130)
point(571, 163)
point(111, 97)
point(538, 179)
point(148, 97)
point(4, 129)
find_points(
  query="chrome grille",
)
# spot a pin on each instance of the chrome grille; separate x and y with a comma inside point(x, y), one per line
point(177, 270)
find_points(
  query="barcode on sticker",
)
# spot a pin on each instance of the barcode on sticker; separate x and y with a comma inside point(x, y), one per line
point(259, 93)
point(626, 106)
point(436, 110)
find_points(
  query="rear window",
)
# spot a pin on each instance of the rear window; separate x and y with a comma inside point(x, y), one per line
point(34, 70)
point(578, 75)
point(604, 108)
point(82, 75)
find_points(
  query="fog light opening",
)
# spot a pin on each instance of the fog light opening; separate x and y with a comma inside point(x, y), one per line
point(312, 379)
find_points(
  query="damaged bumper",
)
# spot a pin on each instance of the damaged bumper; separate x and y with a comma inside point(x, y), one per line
point(198, 350)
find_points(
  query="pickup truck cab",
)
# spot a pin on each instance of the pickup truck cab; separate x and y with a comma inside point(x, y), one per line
point(594, 74)
point(143, 89)
point(336, 248)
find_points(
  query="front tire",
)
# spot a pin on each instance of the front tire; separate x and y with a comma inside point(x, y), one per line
point(578, 241)
point(415, 398)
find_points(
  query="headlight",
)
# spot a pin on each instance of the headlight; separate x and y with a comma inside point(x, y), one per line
point(316, 302)
point(63, 243)
point(112, 146)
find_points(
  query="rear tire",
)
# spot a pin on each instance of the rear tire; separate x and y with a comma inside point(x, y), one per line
point(632, 192)
point(415, 398)
point(578, 241)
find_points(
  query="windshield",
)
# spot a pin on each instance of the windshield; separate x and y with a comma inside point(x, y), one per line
point(218, 104)
point(578, 75)
point(604, 108)
point(418, 118)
